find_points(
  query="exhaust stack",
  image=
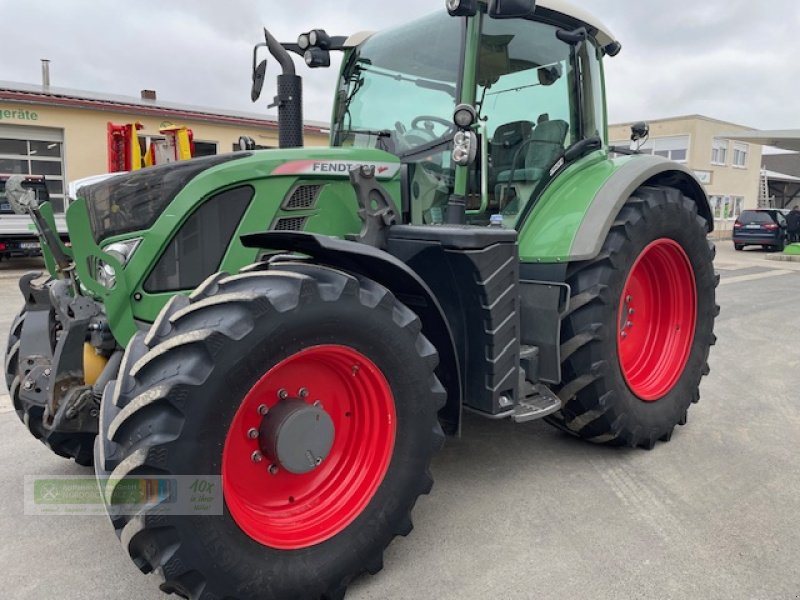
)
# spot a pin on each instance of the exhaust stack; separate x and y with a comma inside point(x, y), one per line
point(290, 97)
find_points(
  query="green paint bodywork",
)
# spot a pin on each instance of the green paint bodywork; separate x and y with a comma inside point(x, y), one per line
point(334, 214)
point(546, 233)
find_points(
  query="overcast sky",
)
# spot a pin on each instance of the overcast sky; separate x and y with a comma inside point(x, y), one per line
point(736, 60)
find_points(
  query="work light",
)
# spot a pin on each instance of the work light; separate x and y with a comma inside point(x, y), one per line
point(317, 57)
point(462, 8)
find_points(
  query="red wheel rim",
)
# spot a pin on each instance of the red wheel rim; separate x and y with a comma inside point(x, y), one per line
point(657, 319)
point(288, 511)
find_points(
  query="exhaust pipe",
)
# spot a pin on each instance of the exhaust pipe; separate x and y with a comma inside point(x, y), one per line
point(289, 99)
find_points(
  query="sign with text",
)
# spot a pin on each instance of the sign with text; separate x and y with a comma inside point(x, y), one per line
point(17, 114)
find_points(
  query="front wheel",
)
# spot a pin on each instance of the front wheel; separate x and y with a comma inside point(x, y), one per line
point(640, 324)
point(311, 393)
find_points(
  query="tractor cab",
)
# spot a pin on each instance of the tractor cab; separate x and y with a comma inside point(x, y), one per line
point(534, 83)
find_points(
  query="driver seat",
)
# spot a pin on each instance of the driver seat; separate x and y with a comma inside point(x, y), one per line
point(546, 144)
point(504, 145)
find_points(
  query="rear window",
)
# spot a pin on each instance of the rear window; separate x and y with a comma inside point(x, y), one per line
point(754, 216)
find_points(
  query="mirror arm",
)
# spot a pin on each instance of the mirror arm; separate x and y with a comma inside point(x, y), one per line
point(53, 243)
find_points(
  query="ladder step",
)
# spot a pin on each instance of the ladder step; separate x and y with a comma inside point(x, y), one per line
point(542, 403)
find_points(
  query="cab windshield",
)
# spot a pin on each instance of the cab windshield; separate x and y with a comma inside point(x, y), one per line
point(398, 90)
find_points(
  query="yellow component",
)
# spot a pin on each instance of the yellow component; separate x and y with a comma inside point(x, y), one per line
point(136, 149)
point(182, 140)
point(93, 364)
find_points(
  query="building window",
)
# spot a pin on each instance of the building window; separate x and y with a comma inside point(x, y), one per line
point(205, 148)
point(719, 152)
point(674, 147)
point(726, 208)
point(740, 155)
point(35, 157)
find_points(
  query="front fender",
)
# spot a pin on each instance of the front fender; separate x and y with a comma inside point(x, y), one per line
point(571, 220)
point(393, 274)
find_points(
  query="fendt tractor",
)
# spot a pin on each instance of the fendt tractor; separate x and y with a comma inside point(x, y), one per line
point(308, 324)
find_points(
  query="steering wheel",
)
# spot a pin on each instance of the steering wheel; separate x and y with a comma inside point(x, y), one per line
point(421, 132)
point(429, 119)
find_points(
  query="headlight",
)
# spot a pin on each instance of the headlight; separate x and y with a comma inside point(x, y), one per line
point(465, 148)
point(121, 251)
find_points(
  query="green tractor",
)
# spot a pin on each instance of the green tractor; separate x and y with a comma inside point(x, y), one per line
point(469, 242)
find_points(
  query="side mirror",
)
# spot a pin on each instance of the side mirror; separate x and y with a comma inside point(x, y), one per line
point(246, 143)
point(20, 199)
point(639, 131)
point(259, 74)
point(511, 9)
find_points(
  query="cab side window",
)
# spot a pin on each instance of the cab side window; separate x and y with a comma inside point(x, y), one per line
point(525, 87)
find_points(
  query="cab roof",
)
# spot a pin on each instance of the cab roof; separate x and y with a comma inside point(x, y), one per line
point(558, 9)
point(568, 9)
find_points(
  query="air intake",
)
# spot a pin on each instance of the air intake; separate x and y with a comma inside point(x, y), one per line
point(303, 197)
point(289, 224)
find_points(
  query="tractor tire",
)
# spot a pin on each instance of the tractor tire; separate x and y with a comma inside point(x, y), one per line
point(196, 394)
point(639, 327)
point(78, 446)
point(12, 362)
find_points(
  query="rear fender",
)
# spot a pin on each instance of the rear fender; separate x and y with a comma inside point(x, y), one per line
point(572, 219)
point(396, 276)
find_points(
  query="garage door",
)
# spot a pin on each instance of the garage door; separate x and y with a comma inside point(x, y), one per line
point(35, 151)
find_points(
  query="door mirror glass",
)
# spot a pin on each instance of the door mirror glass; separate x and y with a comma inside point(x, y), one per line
point(259, 74)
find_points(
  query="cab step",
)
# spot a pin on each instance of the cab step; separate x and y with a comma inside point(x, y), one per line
point(541, 403)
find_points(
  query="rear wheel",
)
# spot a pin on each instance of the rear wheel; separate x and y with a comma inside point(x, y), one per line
point(640, 324)
point(311, 393)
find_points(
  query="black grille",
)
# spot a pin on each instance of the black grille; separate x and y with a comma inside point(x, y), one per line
point(289, 224)
point(303, 197)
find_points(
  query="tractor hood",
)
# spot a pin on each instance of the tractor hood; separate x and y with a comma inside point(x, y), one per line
point(135, 201)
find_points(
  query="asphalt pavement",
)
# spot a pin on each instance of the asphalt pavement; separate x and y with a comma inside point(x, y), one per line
point(524, 511)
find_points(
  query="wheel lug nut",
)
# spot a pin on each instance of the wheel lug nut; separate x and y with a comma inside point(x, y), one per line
point(256, 457)
point(631, 312)
point(252, 433)
point(317, 403)
point(628, 325)
point(624, 334)
point(628, 298)
point(303, 393)
point(28, 385)
point(283, 394)
point(273, 469)
point(263, 409)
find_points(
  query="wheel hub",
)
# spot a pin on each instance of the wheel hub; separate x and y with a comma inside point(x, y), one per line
point(297, 436)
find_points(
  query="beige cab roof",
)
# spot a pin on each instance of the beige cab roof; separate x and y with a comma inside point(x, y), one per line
point(603, 35)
